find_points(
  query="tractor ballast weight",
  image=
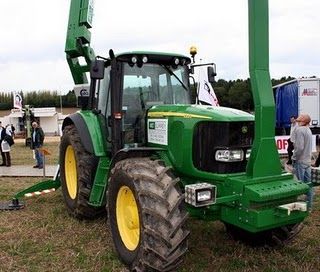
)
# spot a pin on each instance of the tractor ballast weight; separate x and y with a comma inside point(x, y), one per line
point(141, 151)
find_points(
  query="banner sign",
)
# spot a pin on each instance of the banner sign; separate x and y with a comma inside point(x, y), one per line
point(206, 94)
point(17, 101)
point(282, 144)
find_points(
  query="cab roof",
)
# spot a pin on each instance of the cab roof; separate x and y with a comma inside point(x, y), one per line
point(154, 57)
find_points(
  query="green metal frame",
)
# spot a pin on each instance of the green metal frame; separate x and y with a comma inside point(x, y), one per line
point(264, 158)
point(44, 185)
point(78, 39)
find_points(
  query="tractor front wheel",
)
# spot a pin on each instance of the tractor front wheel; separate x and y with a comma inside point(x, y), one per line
point(146, 215)
point(77, 170)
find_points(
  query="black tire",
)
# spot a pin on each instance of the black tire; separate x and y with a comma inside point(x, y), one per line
point(76, 198)
point(277, 237)
point(162, 236)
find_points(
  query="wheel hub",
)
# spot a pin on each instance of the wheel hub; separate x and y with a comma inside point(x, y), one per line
point(128, 218)
point(131, 220)
point(71, 172)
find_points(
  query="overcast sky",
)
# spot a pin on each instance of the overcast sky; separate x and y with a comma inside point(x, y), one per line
point(32, 35)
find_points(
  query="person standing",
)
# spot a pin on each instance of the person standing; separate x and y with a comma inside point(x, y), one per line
point(5, 146)
point(302, 154)
point(37, 138)
point(291, 140)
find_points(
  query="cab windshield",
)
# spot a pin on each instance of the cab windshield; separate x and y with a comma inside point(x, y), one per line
point(155, 84)
point(146, 86)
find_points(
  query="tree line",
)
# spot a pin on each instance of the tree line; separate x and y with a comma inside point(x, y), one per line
point(237, 93)
point(39, 99)
point(233, 93)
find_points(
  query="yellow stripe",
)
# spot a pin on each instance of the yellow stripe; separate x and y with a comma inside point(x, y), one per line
point(176, 114)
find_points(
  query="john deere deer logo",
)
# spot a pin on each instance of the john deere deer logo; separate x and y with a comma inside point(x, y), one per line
point(244, 129)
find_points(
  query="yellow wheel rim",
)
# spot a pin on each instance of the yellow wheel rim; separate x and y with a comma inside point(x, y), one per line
point(128, 218)
point(70, 167)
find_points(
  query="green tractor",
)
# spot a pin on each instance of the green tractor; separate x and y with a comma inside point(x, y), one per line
point(139, 152)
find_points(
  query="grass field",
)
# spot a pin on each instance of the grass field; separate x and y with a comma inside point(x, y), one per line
point(20, 154)
point(42, 237)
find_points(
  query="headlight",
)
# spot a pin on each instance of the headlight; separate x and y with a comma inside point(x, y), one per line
point(134, 59)
point(248, 152)
point(200, 194)
point(203, 195)
point(226, 155)
point(144, 59)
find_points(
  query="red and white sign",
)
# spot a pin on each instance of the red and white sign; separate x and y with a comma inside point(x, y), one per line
point(17, 101)
point(282, 143)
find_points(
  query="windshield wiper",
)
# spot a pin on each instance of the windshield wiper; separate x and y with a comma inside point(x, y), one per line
point(173, 74)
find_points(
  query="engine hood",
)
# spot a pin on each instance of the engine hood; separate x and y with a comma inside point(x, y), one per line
point(199, 112)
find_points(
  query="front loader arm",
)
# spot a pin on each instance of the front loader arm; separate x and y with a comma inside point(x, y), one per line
point(78, 39)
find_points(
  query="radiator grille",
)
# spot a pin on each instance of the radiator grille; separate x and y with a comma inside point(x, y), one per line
point(210, 136)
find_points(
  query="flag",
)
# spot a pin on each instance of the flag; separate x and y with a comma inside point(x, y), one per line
point(17, 101)
point(206, 94)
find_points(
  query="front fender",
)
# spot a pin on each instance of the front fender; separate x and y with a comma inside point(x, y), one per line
point(89, 128)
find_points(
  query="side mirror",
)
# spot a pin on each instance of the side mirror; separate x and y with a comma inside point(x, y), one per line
point(82, 92)
point(211, 73)
point(97, 69)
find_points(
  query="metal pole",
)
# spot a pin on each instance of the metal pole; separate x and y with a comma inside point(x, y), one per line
point(60, 103)
point(44, 165)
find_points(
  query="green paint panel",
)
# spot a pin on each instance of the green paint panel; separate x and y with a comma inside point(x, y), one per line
point(100, 184)
point(274, 190)
point(93, 124)
point(199, 112)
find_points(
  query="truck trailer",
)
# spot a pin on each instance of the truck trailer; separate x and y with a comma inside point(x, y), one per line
point(297, 96)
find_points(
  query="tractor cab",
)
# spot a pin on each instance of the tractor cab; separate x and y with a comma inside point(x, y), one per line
point(130, 85)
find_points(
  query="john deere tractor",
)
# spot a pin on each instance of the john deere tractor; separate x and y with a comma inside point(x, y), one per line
point(139, 152)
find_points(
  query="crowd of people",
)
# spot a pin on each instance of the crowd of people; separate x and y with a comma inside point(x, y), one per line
point(300, 151)
point(7, 135)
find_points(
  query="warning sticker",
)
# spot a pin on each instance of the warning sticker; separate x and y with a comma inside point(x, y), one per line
point(158, 131)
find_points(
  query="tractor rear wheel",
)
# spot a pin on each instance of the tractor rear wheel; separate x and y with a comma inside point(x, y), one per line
point(77, 170)
point(273, 238)
point(146, 215)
